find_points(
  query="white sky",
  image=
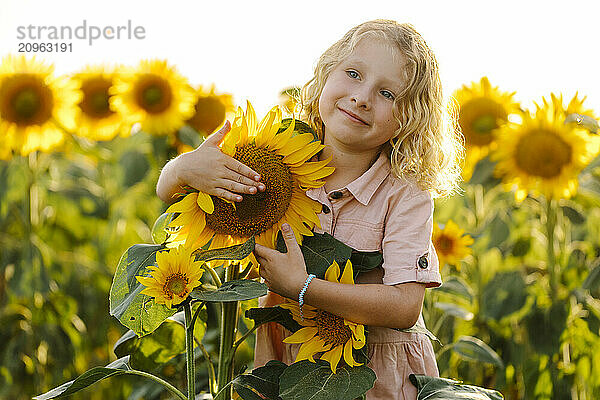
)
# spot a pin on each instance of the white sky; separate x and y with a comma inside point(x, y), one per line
point(253, 49)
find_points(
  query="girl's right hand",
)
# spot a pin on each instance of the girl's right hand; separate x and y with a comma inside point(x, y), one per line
point(211, 171)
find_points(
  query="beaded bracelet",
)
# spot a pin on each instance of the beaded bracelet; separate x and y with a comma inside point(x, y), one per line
point(301, 295)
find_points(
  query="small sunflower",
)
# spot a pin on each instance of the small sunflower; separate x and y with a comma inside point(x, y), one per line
point(35, 106)
point(154, 95)
point(324, 332)
point(451, 244)
point(483, 109)
point(281, 160)
point(174, 277)
point(210, 110)
point(543, 154)
point(96, 120)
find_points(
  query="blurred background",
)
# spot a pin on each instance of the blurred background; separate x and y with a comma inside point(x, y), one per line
point(86, 125)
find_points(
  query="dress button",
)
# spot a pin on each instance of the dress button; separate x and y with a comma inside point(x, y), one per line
point(326, 209)
point(337, 195)
point(423, 263)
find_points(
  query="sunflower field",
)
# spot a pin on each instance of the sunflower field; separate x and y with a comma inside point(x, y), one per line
point(80, 155)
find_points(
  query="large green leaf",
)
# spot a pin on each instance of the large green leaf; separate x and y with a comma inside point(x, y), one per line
point(237, 252)
point(236, 290)
point(457, 286)
point(498, 232)
point(159, 229)
point(261, 383)
point(306, 380)
point(431, 388)
point(136, 311)
point(118, 367)
point(474, 349)
point(282, 316)
point(503, 295)
point(135, 167)
point(363, 261)
point(454, 310)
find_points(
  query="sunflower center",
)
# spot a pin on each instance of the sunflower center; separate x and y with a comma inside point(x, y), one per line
point(478, 118)
point(95, 103)
point(175, 284)
point(154, 94)
point(257, 212)
point(210, 112)
point(332, 329)
point(26, 100)
point(542, 153)
point(444, 244)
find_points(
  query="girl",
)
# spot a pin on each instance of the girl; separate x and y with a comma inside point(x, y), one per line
point(376, 102)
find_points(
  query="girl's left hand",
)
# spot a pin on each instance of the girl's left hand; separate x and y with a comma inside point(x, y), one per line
point(284, 273)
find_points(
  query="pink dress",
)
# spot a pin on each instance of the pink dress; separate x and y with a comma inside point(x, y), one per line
point(376, 212)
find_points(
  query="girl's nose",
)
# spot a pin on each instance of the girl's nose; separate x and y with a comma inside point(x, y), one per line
point(362, 100)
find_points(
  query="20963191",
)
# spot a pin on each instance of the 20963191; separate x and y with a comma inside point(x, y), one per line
point(45, 47)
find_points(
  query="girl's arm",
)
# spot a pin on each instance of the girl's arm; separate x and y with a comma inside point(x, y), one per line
point(208, 170)
point(396, 306)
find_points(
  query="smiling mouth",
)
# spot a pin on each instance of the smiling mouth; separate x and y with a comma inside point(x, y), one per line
point(353, 117)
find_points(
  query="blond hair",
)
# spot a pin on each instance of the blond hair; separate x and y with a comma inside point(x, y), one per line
point(428, 146)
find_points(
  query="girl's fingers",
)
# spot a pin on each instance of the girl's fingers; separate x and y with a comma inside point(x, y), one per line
point(242, 169)
point(237, 187)
point(227, 195)
point(217, 137)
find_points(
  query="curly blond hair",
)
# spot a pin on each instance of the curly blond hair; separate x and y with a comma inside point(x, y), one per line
point(428, 146)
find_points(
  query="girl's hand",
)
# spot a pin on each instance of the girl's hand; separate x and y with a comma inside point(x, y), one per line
point(284, 273)
point(209, 170)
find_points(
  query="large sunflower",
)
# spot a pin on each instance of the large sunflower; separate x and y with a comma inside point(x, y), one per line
point(451, 244)
point(34, 106)
point(96, 120)
point(324, 332)
point(543, 154)
point(175, 275)
point(210, 110)
point(155, 96)
point(483, 109)
point(281, 160)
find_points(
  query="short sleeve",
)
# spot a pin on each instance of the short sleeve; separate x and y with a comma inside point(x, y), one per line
point(408, 253)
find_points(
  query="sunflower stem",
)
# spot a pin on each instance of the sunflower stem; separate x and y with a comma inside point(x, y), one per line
point(550, 227)
point(189, 347)
point(212, 381)
point(229, 311)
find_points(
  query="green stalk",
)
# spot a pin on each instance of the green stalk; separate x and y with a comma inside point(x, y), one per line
point(550, 227)
point(229, 311)
point(189, 348)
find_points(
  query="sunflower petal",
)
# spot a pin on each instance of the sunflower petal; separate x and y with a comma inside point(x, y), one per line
point(333, 272)
point(302, 335)
point(348, 274)
point(205, 202)
point(333, 357)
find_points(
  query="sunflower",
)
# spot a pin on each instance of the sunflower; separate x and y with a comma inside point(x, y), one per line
point(35, 106)
point(96, 120)
point(451, 244)
point(543, 154)
point(174, 277)
point(483, 109)
point(281, 160)
point(154, 95)
point(210, 110)
point(324, 332)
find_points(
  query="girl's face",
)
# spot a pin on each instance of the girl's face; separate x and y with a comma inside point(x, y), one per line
point(356, 104)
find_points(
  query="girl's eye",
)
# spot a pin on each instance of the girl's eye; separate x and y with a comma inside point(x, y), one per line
point(387, 94)
point(352, 74)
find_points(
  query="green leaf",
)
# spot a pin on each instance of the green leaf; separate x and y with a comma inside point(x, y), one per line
point(319, 251)
point(190, 136)
point(593, 279)
point(135, 167)
point(504, 294)
point(306, 380)
point(586, 121)
point(237, 252)
point(236, 290)
point(471, 348)
point(118, 367)
point(575, 216)
point(159, 229)
point(363, 261)
point(483, 173)
point(454, 310)
point(263, 380)
point(420, 329)
point(431, 388)
point(151, 351)
point(498, 231)
point(280, 315)
point(456, 286)
point(136, 311)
